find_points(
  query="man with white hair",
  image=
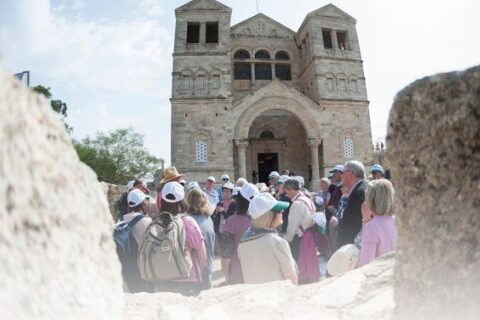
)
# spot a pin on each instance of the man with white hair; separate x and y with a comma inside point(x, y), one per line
point(350, 223)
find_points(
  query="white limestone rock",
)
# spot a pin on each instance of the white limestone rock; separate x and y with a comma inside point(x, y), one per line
point(57, 259)
point(365, 293)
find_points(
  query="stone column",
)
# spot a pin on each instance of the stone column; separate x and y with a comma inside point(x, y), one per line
point(242, 159)
point(314, 144)
point(203, 31)
point(334, 39)
point(274, 76)
point(252, 72)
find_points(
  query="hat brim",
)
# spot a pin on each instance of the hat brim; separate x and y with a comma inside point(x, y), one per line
point(171, 179)
point(335, 170)
point(280, 206)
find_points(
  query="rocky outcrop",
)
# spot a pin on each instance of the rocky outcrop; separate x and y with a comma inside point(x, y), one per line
point(57, 258)
point(365, 293)
point(434, 151)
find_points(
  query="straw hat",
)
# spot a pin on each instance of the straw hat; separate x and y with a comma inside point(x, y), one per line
point(170, 174)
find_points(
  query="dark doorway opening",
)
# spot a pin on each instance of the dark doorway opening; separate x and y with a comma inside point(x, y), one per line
point(267, 162)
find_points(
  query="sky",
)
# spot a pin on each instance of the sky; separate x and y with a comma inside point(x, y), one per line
point(110, 60)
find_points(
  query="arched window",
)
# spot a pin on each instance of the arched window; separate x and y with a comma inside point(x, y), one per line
point(241, 55)
point(283, 72)
point(263, 71)
point(242, 71)
point(265, 135)
point(281, 55)
point(262, 55)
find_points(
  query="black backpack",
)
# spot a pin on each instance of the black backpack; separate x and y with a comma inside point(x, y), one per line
point(127, 251)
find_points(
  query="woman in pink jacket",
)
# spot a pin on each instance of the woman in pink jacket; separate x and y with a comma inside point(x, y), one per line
point(379, 233)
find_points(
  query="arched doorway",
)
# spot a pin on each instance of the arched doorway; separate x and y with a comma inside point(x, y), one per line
point(277, 141)
point(258, 119)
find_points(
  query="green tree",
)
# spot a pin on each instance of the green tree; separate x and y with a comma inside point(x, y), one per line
point(118, 156)
point(57, 105)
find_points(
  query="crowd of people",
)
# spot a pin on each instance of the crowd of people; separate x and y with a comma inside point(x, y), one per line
point(262, 233)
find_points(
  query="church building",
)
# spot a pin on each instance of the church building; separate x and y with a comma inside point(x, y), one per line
point(258, 96)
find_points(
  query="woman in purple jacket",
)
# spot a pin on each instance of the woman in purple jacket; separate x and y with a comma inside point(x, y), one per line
point(379, 233)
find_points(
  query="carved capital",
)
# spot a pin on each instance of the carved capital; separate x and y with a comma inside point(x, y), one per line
point(241, 144)
point(314, 142)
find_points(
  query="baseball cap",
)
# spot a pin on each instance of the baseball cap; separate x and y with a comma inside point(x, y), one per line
point(225, 177)
point(192, 184)
point(377, 167)
point(228, 185)
point(235, 192)
point(135, 197)
point(211, 178)
point(264, 202)
point(282, 179)
point(337, 167)
point(130, 185)
point(173, 192)
point(249, 191)
point(273, 174)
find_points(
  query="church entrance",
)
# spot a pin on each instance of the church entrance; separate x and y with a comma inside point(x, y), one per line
point(277, 141)
point(267, 162)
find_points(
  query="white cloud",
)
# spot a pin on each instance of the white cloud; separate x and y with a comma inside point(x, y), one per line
point(152, 8)
point(131, 56)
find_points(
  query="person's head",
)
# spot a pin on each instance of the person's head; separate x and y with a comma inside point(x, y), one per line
point(273, 178)
point(227, 190)
point(245, 194)
point(130, 185)
point(286, 172)
point(242, 205)
point(225, 178)
point(292, 187)
point(353, 171)
point(337, 173)
point(324, 184)
point(241, 182)
point(182, 182)
point(198, 203)
point(279, 186)
point(262, 187)
point(266, 211)
point(193, 184)
point(301, 181)
point(137, 201)
point(173, 198)
point(377, 172)
point(210, 183)
point(379, 197)
point(170, 174)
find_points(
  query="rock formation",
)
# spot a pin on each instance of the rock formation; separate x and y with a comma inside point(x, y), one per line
point(434, 151)
point(365, 293)
point(57, 258)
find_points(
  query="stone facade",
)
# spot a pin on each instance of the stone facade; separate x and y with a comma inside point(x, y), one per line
point(243, 95)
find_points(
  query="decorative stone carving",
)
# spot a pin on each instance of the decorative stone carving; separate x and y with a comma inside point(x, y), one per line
point(261, 26)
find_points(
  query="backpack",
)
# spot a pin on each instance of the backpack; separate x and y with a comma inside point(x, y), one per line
point(163, 255)
point(127, 251)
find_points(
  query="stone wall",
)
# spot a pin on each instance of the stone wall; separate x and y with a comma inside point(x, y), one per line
point(434, 154)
